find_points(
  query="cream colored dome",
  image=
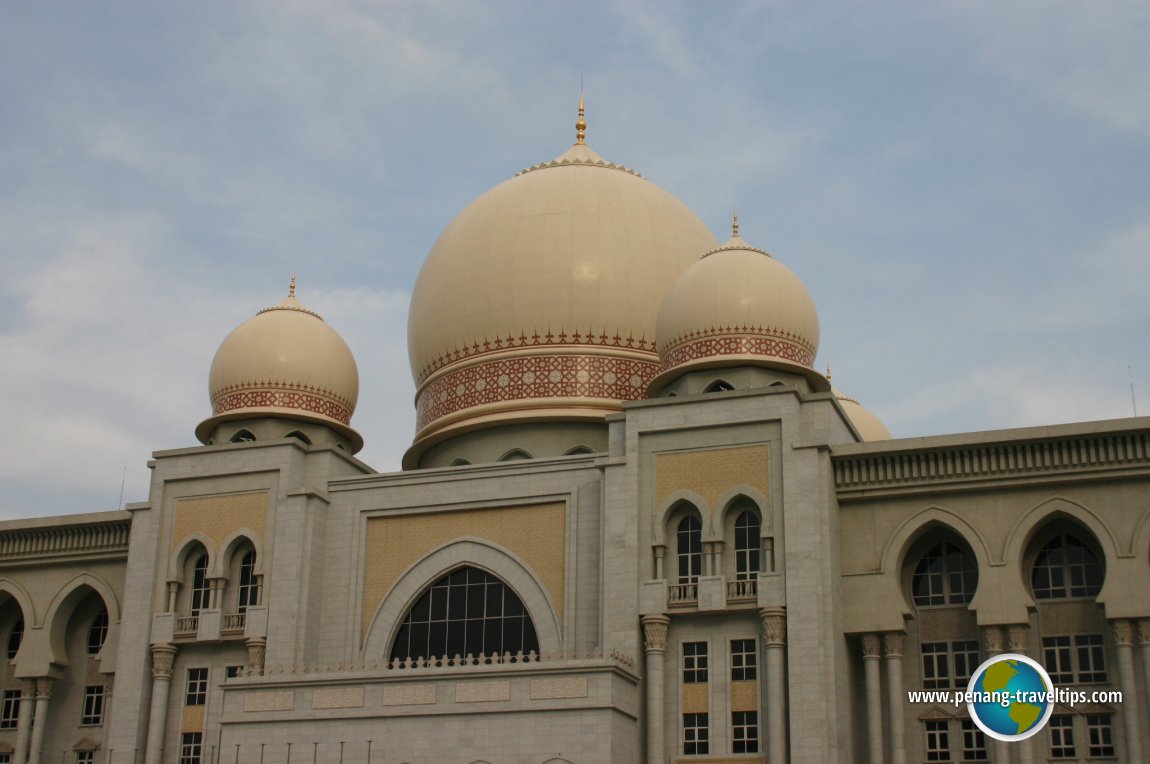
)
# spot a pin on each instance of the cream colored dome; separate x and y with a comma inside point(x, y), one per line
point(538, 301)
point(737, 305)
point(870, 427)
point(284, 362)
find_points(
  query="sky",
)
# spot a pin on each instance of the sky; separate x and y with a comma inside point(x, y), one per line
point(964, 187)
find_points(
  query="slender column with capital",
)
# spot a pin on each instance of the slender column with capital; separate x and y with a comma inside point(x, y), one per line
point(163, 658)
point(43, 695)
point(1124, 647)
point(1144, 650)
point(655, 644)
point(24, 725)
point(896, 700)
point(992, 645)
point(870, 653)
point(1018, 641)
point(774, 623)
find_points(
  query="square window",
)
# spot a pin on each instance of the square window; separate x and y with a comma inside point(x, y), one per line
point(745, 732)
point(696, 737)
point(694, 662)
point(85, 757)
point(197, 694)
point(93, 713)
point(744, 660)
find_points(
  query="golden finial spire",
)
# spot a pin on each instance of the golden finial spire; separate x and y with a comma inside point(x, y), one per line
point(828, 371)
point(291, 288)
point(581, 123)
point(735, 225)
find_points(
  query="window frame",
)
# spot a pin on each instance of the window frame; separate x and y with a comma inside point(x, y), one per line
point(695, 662)
point(191, 747)
point(744, 661)
point(10, 709)
point(196, 686)
point(689, 560)
point(97, 633)
point(749, 727)
point(1059, 574)
point(937, 739)
point(956, 586)
point(696, 736)
point(748, 545)
point(92, 710)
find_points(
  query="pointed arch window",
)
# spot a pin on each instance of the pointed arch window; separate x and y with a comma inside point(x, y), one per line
point(466, 611)
point(249, 588)
point(243, 436)
point(747, 543)
point(1066, 567)
point(719, 386)
point(945, 575)
point(15, 637)
point(689, 549)
point(201, 592)
point(98, 632)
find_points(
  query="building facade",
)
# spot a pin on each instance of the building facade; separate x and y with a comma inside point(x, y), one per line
point(635, 524)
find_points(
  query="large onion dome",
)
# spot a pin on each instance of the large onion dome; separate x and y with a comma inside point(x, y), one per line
point(869, 426)
point(738, 306)
point(538, 302)
point(285, 362)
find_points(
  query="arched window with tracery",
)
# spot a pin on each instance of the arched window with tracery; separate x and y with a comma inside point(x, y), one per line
point(689, 549)
point(201, 591)
point(1066, 567)
point(946, 574)
point(248, 593)
point(467, 611)
point(747, 545)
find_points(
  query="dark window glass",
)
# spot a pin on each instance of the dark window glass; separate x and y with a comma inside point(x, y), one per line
point(191, 747)
point(1101, 738)
point(696, 737)
point(97, 633)
point(10, 710)
point(937, 741)
point(200, 590)
point(747, 530)
point(1061, 737)
point(1066, 567)
point(197, 694)
point(694, 662)
point(973, 742)
point(15, 637)
point(744, 661)
point(690, 549)
point(467, 611)
point(946, 575)
point(93, 713)
point(745, 732)
point(249, 591)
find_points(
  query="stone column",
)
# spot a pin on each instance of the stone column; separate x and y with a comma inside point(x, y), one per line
point(655, 644)
point(24, 725)
point(895, 697)
point(1017, 641)
point(769, 552)
point(774, 624)
point(992, 644)
point(1144, 650)
point(163, 657)
point(43, 695)
point(717, 559)
point(257, 649)
point(870, 653)
point(173, 590)
point(1124, 647)
point(660, 553)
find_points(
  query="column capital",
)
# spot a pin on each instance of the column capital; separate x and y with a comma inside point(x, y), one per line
point(257, 652)
point(1017, 637)
point(28, 688)
point(992, 639)
point(44, 687)
point(870, 646)
point(655, 632)
point(774, 625)
point(892, 643)
point(163, 657)
point(1123, 632)
point(1144, 632)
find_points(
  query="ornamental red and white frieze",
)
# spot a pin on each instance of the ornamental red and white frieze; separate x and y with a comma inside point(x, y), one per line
point(299, 397)
point(739, 342)
point(568, 375)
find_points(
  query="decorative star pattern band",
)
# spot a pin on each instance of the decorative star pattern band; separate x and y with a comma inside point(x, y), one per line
point(553, 338)
point(739, 342)
point(299, 397)
point(539, 376)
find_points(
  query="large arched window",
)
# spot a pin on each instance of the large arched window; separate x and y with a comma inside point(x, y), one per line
point(465, 612)
point(747, 555)
point(945, 575)
point(689, 549)
point(1066, 567)
point(201, 592)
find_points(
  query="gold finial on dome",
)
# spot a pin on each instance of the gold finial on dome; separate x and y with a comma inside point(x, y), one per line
point(581, 123)
point(735, 225)
point(828, 371)
point(291, 287)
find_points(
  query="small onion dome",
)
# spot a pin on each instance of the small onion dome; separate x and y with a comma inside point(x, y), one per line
point(538, 302)
point(284, 362)
point(738, 306)
point(870, 427)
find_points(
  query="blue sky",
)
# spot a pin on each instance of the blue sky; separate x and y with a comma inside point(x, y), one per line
point(964, 187)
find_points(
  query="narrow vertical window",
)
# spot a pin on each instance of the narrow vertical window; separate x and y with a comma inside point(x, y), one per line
point(201, 593)
point(694, 662)
point(197, 694)
point(93, 713)
point(1062, 737)
point(191, 747)
point(690, 549)
point(973, 742)
point(937, 740)
point(10, 710)
point(249, 590)
point(15, 637)
point(1101, 737)
point(745, 732)
point(744, 661)
point(97, 633)
point(696, 736)
point(747, 555)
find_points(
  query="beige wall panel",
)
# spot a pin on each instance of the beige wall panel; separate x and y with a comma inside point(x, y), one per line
point(193, 719)
point(534, 533)
point(218, 517)
point(745, 696)
point(1075, 617)
point(695, 698)
point(711, 473)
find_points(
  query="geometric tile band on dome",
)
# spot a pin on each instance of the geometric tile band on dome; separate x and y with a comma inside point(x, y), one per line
point(558, 338)
point(535, 377)
point(284, 396)
point(738, 341)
